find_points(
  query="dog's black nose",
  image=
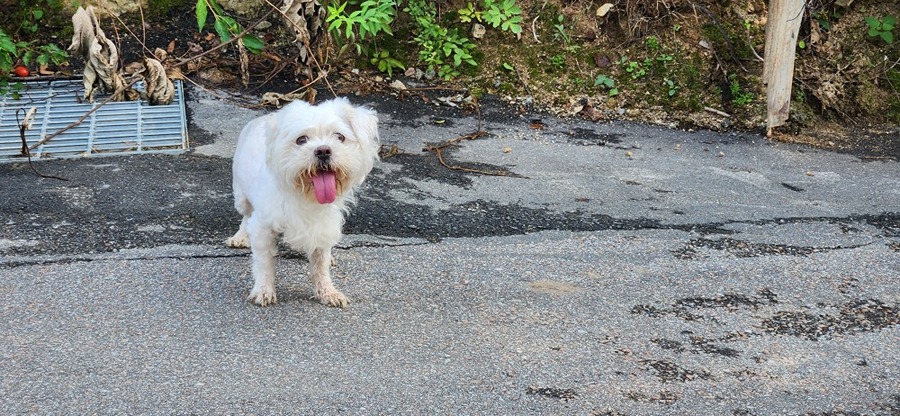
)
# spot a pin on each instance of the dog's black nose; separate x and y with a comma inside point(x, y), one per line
point(323, 153)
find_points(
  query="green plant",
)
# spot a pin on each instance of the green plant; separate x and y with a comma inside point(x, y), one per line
point(636, 69)
point(561, 30)
point(824, 19)
point(225, 26)
point(469, 13)
point(13, 52)
point(608, 83)
point(883, 28)
point(503, 14)
point(385, 63)
point(652, 43)
point(558, 61)
point(671, 87)
point(738, 95)
point(443, 50)
point(372, 18)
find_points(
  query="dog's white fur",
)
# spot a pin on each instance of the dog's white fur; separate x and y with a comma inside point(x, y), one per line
point(274, 193)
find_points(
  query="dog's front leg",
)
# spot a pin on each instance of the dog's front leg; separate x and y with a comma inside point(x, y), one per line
point(263, 248)
point(319, 273)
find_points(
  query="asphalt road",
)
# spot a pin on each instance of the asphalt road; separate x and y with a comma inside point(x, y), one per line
point(574, 269)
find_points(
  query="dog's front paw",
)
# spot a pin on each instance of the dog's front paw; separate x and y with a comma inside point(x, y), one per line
point(263, 296)
point(239, 240)
point(335, 299)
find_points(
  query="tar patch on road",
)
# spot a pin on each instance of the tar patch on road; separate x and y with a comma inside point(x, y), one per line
point(562, 395)
point(668, 371)
point(690, 309)
point(861, 315)
point(854, 317)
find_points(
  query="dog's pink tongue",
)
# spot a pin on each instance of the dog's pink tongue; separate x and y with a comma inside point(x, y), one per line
point(324, 186)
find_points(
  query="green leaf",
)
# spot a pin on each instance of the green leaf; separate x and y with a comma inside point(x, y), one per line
point(613, 92)
point(232, 24)
point(6, 44)
point(222, 30)
point(888, 37)
point(37, 13)
point(26, 58)
point(215, 5)
point(888, 21)
point(254, 44)
point(201, 11)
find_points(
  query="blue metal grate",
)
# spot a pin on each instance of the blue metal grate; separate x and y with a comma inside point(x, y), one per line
point(116, 128)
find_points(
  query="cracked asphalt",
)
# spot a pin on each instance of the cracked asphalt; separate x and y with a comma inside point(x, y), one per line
point(611, 269)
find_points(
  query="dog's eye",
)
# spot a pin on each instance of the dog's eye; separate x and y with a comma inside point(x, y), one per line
point(341, 137)
point(302, 140)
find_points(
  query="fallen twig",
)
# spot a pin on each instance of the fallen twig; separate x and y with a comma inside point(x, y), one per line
point(719, 112)
point(142, 42)
point(25, 125)
point(84, 117)
point(438, 148)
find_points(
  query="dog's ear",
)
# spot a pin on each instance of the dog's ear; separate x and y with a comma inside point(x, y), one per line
point(362, 120)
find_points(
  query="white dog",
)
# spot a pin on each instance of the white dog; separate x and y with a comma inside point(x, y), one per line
point(295, 171)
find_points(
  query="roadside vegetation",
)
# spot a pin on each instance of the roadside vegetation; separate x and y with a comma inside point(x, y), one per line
point(681, 63)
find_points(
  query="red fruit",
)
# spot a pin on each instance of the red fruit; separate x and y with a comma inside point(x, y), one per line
point(21, 71)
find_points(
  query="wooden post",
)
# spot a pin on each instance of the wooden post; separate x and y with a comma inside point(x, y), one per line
point(782, 29)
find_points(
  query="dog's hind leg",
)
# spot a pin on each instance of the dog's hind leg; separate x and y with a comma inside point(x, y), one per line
point(240, 239)
point(263, 248)
point(319, 264)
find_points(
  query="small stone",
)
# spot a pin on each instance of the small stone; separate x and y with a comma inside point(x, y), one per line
point(398, 85)
point(265, 24)
point(478, 31)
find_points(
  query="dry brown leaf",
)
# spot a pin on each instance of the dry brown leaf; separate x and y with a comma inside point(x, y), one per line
point(134, 67)
point(45, 70)
point(160, 54)
point(160, 89)
point(171, 47)
point(175, 73)
point(100, 55)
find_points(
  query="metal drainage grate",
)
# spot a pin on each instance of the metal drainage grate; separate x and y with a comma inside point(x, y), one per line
point(116, 128)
